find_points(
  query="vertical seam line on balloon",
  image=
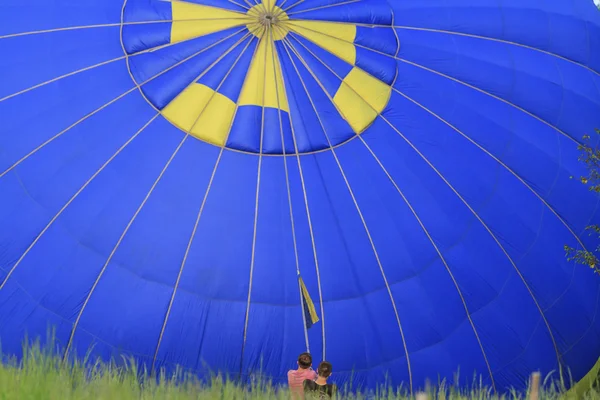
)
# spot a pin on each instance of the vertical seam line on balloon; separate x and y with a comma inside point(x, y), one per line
point(309, 220)
point(287, 183)
point(516, 176)
point(256, 207)
point(72, 199)
point(171, 302)
point(371, 240)
point(64, 131)
point(109, 259)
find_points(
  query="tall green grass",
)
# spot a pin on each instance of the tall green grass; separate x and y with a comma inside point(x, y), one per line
point(41, 374)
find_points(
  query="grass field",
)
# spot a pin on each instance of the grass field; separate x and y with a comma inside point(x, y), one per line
point(42, 375)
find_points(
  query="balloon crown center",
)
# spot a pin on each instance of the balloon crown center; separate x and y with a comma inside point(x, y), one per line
point(268, 19)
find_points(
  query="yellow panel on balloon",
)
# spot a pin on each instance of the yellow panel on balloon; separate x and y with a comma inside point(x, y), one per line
point(202, 112)
point(185, 108)
point(361, 98)
point(215, 122)
point(193, 20)
point(333, 37)
point(260, 87)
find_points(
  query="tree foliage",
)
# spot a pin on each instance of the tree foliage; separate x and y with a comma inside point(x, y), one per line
point(590, 156)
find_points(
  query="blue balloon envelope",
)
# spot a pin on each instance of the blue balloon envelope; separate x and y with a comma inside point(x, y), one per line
point(169, 169)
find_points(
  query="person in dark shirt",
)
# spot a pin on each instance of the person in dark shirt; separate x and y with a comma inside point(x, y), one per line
point(319, 388)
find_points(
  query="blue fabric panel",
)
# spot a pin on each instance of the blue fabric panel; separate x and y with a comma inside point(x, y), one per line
point(221, 72)
point(227, 5)
point(327, 119)
point(372, 12)
point(328, 68)
point(21, 315)
point(70, 161)
point(191, 340)
point(587, 13)
point(382, 39)
point(211, 266)
point(72, 243)
point(497, 277)
point(77, 227)
point(73, 54)
point(307, 131)
point(522, 22)
point(378, 65)
point(594, 40)
point(475, 114)
point(21, 16)
point(563, 18)
point(581, 97)
point(140, 37)
point(147, 261)
point(541, 75)
point(146, 11)
point(578, 351)
point(161, 85)
point(540, 255)
point(32, 118)
point(341, 236)
point(277, 133)
point(209, 261)
point(452, 169)
point(232, 86)
point(246, 129)
point(269, 303)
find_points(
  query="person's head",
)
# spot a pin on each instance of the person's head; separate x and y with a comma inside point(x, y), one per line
point(305, 360)
point(324, 369)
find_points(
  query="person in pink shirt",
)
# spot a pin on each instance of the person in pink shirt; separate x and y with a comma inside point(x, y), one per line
point(296, 377)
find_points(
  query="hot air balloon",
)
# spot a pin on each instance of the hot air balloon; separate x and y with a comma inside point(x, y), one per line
point(181, 180)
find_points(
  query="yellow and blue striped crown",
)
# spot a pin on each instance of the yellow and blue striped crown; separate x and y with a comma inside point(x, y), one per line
point(272, 77)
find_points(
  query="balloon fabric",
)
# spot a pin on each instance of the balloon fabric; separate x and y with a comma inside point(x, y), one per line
point(195, 182)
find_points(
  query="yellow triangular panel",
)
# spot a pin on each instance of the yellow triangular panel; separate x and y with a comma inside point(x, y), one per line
point(193, 20)
point(335, 38)
point(260, 87)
